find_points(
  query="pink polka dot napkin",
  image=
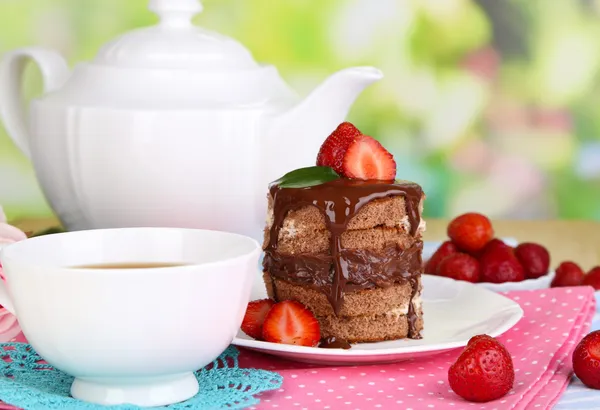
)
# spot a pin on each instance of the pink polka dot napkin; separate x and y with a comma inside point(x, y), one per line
point(541, 345)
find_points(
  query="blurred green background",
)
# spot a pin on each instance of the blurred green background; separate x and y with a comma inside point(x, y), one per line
point(490, 105)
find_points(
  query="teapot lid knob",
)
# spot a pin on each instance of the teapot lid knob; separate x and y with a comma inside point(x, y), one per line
point(175, 12)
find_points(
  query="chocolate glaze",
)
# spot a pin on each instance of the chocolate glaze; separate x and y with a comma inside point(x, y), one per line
point(350, 269)
point(332, 342)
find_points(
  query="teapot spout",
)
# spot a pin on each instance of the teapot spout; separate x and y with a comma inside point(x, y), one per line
point(297, 134)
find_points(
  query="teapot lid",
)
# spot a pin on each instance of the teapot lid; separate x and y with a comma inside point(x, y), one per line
point(175, 43)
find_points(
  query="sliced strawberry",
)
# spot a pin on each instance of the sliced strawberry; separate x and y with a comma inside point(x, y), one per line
point(290, 322)
point(334, 148)
point(367, 159)
point(256, 312)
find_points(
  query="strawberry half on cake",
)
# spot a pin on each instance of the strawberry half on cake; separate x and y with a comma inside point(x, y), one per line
point(343, 238)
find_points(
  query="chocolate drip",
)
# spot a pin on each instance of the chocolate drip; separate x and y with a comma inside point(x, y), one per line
point(339, 201)
point(332, 342)
point(365, 269)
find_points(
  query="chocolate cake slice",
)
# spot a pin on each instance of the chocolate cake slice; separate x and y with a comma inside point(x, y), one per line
point(350, 250)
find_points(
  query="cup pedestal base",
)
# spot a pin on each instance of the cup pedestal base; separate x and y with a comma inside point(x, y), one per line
point(144, 392)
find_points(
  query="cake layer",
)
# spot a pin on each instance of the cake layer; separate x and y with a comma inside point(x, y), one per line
point(305, 241)
point(364, 329)
point(308, 223)
point(365, 316)
point(367, 302)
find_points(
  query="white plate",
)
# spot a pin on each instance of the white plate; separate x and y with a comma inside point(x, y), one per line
point(542, 282)
point(453, 311)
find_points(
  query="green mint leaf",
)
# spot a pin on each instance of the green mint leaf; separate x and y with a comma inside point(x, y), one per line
point(306, 177)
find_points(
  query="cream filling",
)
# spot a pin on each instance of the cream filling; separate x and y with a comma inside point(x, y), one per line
point(417, 302)
point(399, 311)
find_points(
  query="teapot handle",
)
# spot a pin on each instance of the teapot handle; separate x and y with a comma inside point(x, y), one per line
point(12, 111)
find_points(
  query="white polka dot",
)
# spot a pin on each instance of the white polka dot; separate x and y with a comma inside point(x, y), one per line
point(288, 397)
point(293, 376)
point(350, 387)
point(534, 362)
point(371, 383)
point(301, 386)
point(410, 376)
point(322, 381)
point(421, 385)
point(343, 377)
point(310, 394)
point(314, 372)
point(440, 382)
point(329, 390)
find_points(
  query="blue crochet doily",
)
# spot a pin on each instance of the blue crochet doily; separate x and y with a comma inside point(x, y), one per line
point(32, 385)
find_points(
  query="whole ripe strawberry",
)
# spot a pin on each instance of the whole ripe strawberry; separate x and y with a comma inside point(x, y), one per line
point(499, 265)
point(483, 372)
point(586, 360)
point(495, 243)
point(592, 278)
point(256, 312)
point(367, 159)
point(535, 259)
point(460, 266)
point(334, 148)
point(470, 231)
point(567, 274)
point(446, 249)
point(290, 322)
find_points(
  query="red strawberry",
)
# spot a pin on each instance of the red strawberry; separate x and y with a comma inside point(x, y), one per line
point(367, 159)
point(495, 243)
point(567, 274)
point(460, 266)
point(290, 322)
point(534, 258)
point(592, 278)
point(470, 231)
point(446, 249)
point(483, 372)
point(586, 360)
point(477, 338)
point(499, 265)
point(255, 316)
point(334, 148)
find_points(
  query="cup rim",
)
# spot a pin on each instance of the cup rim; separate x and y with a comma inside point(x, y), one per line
point(5, 252)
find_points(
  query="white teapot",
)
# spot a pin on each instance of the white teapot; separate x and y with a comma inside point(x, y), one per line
point(170, 125)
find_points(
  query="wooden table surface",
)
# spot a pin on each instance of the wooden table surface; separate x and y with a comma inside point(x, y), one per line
point(566, 240)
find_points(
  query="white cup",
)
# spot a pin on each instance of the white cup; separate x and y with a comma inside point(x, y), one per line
point(130, 335)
